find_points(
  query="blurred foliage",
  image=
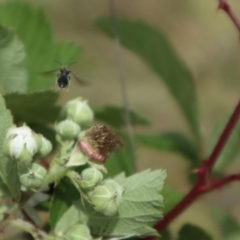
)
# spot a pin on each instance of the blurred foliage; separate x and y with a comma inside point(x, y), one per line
point(114, 116)
point(190, 232)
point(36, 36)
point(228, 226)
point(170, 142)
point(152, 46)
point(13, 73)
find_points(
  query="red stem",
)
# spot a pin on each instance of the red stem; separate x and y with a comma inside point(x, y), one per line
point(221, 182)
point(224, 137)
point(203, 185)
point(223, 4)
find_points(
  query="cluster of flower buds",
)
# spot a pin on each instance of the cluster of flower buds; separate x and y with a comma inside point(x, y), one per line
point(93, 147)
point(24, 146)
point(104, 196)
point(77, 116)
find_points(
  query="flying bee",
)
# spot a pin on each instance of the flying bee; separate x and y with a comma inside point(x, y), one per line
point(64, 76)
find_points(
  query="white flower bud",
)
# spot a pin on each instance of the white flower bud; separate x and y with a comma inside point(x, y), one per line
point(90, 178)
point(106, 197)
point(21, 144)
point(79, 111)
point(68, 129)
point(32, 176)
point(79, 232)
point(46, 147)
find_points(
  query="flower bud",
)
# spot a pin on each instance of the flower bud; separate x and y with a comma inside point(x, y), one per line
point(79, 111)
point(90, 178)
point(79, 232)
point(106, 197)
point(32, 176)
point(68, 129)
point(46, 147)
point(21, 144)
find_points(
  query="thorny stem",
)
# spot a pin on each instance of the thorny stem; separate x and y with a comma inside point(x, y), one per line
point(204, 184)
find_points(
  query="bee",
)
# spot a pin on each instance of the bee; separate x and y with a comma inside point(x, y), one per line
point(63, 78)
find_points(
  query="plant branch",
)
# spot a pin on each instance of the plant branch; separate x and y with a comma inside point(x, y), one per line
point(224, 137)
point(221, 182)
point(223, 4)
point(203, 184)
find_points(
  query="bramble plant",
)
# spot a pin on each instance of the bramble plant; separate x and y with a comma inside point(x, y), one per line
point(90, 167)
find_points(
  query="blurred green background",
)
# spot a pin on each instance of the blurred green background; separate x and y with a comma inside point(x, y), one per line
point(208, 43)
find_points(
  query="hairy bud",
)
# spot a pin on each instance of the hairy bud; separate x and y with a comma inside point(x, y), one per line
point(106, 197)
point(79, 111)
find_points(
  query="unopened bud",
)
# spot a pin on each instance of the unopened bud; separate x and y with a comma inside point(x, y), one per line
point(46, 147)
point(90, 178)
point(106, 197)
point(68, 129)
point(79, 111)
point(32, 176)
point(21, 144)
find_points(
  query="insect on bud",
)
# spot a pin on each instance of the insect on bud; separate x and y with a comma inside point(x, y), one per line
point(106, 197)
point(98, 142)
point(21, 144)
point(90, 178)
point(68, 129)
point(79, 232)
point(79, 111)
point(32, 176)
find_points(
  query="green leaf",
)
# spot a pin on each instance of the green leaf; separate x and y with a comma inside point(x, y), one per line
point(166, 234)
point(4, 193)
point(8, 168)
point(190, 232)
point(37, 107)
point(171, 142)
point(231, 149)
point(13, 73)
point(36, 36)
point(153, 47)
point(228, 226)
point(64, 195)
point(121, 160)
point(171, 198)
point(114, 116)
point(140, 207)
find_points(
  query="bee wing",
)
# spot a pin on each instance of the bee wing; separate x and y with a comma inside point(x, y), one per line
point(49, 72)
point(79, 80)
